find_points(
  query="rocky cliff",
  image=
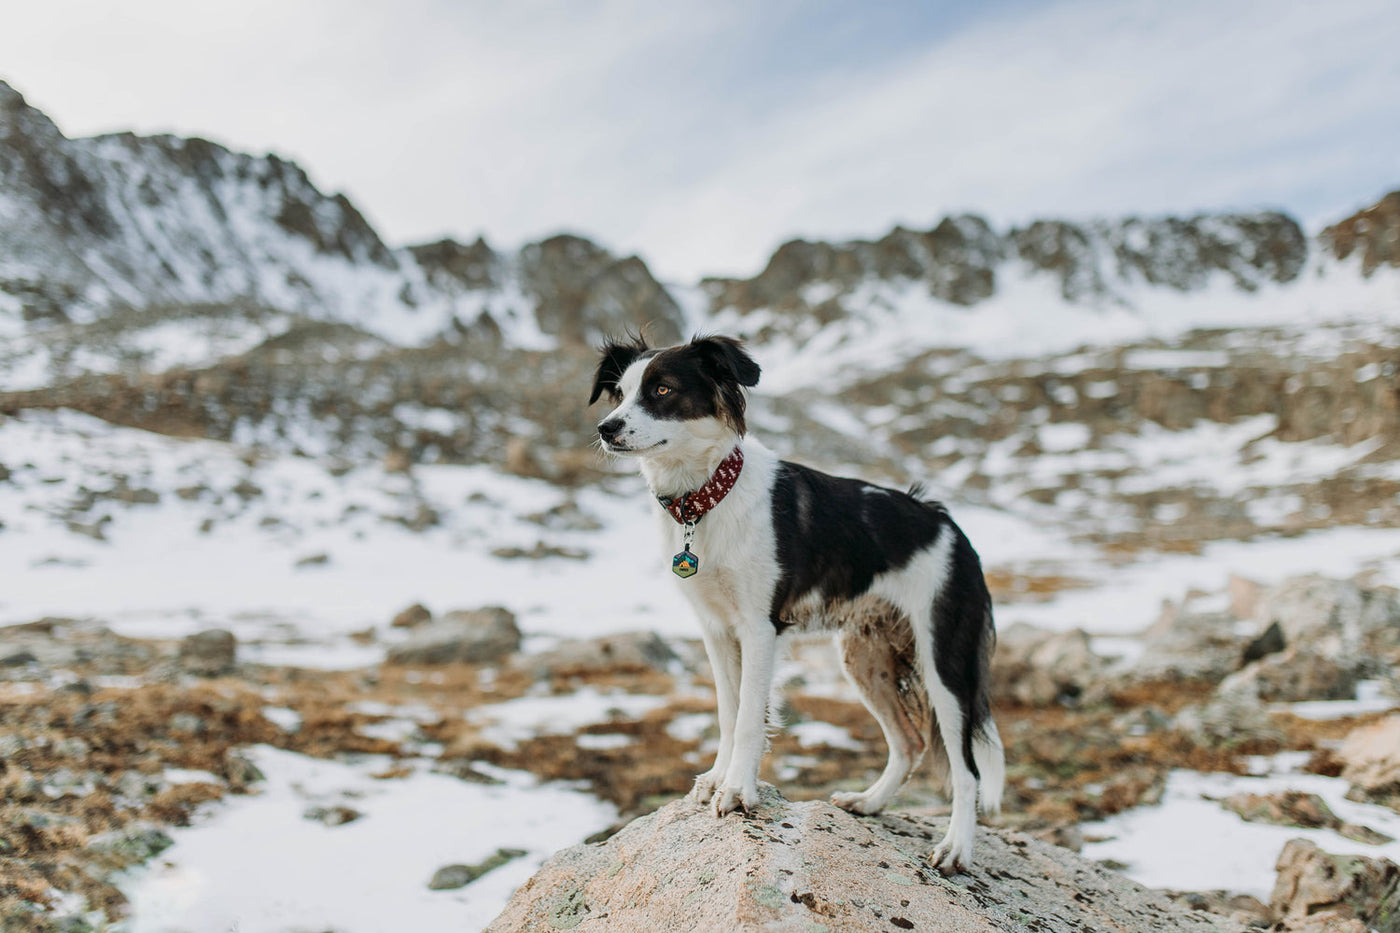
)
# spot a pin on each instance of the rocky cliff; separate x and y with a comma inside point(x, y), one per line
point(93, 227)
point(962, 260)
point(1373, 233)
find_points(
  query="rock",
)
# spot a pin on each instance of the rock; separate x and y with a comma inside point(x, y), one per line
point(313, 560)
point(1373, 233)
point(1230, 718)
point(1242, 908)
point(412, 617)
point(208, 653)
point(1036, 667)
point(1244, 597)
point(566, 516)
point(1294, 675)
point(332, 816)
point(66, 782)
point(521, 459)
point(398, 461)
point(1370, 757)
point(130, 845)
point(239, 771)
point(1185, 645)
point(478, 636)
point(582, 292)
point(1269, 642)
point(1314, 885)
point(138, 786)
point(1364, 834)
point(56, 643)
point(627, 652)
point(813, 868)
point(1287, 808)
point(71, 747)
point(18, 658)
point(540, 551)
point(464, 769)
point(183, 723)
point(1335, 618)
point(450, 877)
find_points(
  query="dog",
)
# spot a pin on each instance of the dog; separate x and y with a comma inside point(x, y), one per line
point(765, 548)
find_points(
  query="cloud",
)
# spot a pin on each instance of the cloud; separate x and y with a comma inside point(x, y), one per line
point(702, 135)
point(1077, 108)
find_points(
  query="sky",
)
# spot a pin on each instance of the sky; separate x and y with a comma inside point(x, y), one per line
point(702, 135)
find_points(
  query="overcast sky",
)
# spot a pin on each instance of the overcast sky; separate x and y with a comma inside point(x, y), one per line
point(701, 135)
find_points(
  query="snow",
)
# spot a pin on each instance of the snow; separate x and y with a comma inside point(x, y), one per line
point(255, 864)
point(1126, 600)
point(893, 321)
point(691, 727)
point(288, 720)
point(157, 574)
point(1175, 359)
point(1057, 438)
point(1371, 697)
point(506, 724)
point(824, 733)
point(1191, 843)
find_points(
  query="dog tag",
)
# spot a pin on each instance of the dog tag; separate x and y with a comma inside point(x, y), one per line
point(685, 564)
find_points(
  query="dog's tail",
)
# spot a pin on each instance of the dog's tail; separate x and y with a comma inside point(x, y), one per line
point(991, 767)
point(987, 753)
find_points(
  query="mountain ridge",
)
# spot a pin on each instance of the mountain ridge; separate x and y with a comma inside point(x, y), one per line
point(98, 224)
point(114, 249)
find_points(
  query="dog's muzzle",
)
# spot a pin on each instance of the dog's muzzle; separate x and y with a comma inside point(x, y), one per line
point(609, 430)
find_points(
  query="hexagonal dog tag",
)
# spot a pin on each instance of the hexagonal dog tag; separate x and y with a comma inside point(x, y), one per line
point(685, 564)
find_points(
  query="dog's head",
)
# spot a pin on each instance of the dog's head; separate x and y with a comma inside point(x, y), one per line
point(672, 398)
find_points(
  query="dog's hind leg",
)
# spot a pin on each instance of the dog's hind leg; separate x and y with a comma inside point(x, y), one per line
point(956, 671)
point(878, 655)
point(943, 594)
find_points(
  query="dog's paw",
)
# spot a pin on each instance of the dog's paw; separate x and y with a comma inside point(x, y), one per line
point(729, 798)
point(704, 788)
point(856, 803)
point(951, 856)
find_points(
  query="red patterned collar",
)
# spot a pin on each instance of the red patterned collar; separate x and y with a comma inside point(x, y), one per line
point(690, 507)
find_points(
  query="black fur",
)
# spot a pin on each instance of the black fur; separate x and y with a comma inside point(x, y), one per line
point(835, 535)
point(701, 379)
point(964, 637)
point(615, 358)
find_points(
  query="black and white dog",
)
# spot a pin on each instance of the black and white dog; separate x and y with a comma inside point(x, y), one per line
point(766, 547)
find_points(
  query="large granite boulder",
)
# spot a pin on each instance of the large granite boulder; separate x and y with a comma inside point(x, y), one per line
point(812, 868)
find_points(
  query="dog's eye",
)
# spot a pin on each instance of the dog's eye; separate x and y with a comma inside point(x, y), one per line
point(662, 390)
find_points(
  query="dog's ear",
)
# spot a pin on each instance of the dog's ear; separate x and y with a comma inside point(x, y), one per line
point(615, 358)
point(727, 359)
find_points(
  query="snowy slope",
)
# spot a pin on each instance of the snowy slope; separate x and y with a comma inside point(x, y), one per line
point(1127, 282)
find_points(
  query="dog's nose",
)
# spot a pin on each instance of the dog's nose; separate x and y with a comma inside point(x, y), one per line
point(610, 429)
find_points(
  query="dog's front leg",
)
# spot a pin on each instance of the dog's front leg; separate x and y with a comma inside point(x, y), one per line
point(757, 651)
point(723, 652)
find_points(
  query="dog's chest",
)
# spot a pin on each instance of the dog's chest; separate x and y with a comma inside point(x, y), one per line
point(735, 564)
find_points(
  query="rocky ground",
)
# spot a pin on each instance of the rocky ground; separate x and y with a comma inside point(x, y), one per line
point(110, 742)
